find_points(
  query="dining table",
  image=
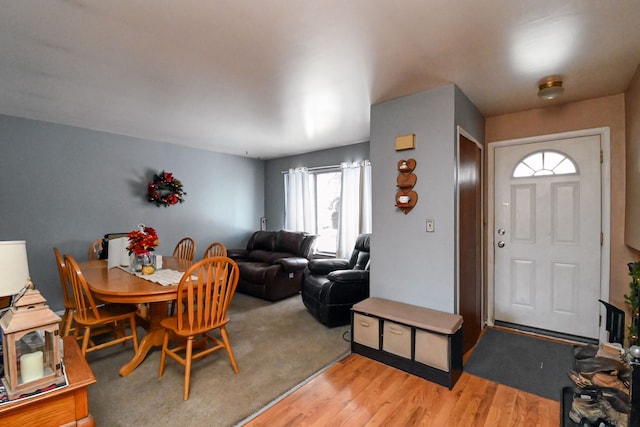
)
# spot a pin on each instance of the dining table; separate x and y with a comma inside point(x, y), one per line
point(119, 285)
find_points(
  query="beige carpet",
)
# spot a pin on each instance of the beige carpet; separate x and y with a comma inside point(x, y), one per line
point(277, 346)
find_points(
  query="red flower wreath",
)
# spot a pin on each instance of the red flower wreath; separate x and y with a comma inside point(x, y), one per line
point(165, 190)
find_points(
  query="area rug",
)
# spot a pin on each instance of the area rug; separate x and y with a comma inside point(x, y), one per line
point(535, 365)
point(277, 346)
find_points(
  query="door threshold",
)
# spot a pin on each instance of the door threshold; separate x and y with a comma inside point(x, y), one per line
point(545, 333)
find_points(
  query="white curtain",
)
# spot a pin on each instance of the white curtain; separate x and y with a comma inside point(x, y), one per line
point(355, 205)
point(299, 200)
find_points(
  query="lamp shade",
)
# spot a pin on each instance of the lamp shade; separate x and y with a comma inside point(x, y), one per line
point(14, 267)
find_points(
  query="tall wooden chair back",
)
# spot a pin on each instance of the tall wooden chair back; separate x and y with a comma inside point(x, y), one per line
point(67, 295)
point(206, 290)
point(89, 316)
point(185, 249)
point(215, 249)
point(95, 249)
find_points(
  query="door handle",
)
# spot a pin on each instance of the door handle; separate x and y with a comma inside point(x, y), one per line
point(501, 244)
point(501, 231)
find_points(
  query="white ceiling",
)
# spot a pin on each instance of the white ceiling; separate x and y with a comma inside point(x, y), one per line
point(268, 78)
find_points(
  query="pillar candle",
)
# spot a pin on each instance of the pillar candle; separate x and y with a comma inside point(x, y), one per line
point(31, 366)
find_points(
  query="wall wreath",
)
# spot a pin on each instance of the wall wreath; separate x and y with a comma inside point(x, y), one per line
point(165, 190)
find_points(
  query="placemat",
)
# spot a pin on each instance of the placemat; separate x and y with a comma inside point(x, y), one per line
point(164, 277)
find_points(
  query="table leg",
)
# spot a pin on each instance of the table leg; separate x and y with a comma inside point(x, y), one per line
point(153, 338)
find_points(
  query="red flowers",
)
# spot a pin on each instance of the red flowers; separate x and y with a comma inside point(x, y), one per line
point(143, 240)
point(165, 190)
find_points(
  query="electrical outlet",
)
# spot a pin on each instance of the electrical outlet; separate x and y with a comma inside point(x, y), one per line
point(431, 226)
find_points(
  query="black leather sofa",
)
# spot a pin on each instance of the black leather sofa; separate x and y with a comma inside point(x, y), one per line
point(272, 265)
point(332, 286)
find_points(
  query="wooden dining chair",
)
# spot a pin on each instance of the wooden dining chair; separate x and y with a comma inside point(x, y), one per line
point(206, 290)
point(67, 324)
point(95, 249)
point(89, 316)
point(67, 295)
point(185, 249)
point(215, 249)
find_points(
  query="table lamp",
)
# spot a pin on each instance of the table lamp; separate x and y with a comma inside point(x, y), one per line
point(14, 268)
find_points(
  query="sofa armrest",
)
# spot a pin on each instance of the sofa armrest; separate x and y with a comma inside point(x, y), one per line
point(349, 276)
point(236, 254)
point(326, 266)
point(293, 264)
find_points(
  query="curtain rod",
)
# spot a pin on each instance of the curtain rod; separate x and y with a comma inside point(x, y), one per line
point(317, 168)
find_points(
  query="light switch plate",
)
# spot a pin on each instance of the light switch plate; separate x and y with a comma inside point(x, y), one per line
point(431, 226)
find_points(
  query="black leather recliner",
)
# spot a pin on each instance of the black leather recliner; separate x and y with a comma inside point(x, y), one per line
point(332, 286)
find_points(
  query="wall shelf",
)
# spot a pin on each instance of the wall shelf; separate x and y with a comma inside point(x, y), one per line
point(406, 198)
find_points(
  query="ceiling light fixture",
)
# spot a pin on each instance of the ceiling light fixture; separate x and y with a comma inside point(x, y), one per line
point(551, 89)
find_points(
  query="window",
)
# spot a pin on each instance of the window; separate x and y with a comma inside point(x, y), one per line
point(318, 208)
point(313, 203)
point(326, 187)
point(545, 163)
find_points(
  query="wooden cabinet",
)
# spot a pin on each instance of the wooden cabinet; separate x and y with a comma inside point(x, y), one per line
point(423, 342)
point(67, 406)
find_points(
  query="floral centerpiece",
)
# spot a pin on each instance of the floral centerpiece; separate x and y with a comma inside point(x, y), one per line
point(142, 242)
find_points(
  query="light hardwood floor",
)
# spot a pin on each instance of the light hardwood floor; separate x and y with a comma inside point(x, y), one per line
point(358, 391)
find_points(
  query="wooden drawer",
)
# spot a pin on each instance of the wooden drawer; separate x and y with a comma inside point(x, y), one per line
point(396, 339)
point(432, 350)
point(366, 330)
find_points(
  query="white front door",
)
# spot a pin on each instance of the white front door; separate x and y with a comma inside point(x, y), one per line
point(547, 234)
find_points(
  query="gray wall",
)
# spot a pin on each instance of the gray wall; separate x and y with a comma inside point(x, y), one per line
point(468, 117)
point(274, 181)
point(408, 264)
point(65, 186)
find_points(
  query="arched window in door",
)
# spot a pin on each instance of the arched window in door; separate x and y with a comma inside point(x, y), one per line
point(545, 163)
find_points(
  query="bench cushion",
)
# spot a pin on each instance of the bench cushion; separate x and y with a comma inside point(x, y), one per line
point(420, 317)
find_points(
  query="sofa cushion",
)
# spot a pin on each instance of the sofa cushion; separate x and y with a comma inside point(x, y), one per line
point(263, 240)
point(257, 272)
point(268, 256)
point(360, 255)
point(362, 261)
point(288, 241)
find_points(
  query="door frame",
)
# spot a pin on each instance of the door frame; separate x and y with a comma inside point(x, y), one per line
point(483, 309)
point(605, 248)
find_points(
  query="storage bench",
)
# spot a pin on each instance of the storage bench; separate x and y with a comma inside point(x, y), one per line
point(417, 340)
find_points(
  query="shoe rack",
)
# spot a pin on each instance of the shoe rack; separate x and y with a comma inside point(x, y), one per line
point(588, 392)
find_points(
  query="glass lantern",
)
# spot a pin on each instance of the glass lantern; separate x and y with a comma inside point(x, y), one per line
point(32, 346)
